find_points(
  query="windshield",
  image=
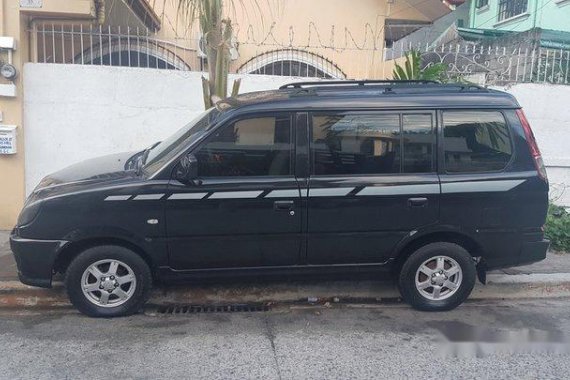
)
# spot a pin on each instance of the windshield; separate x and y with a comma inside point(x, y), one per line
point(179, 141)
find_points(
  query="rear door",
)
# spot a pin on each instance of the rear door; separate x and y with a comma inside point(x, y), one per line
point(372, 181)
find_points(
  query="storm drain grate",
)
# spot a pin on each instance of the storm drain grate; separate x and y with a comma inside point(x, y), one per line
point(193, 309)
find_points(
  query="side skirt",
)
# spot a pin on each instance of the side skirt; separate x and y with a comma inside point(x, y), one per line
point(380, 271)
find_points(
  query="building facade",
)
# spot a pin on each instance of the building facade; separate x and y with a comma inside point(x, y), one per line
point(520, 15)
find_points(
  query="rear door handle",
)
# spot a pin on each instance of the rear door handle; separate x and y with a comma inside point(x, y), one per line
point(417, 202)
point(283, 205)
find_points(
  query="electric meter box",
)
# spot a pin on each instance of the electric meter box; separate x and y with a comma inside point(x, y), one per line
point(7, 139)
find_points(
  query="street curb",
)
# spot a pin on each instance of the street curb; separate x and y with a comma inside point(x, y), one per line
point(13, 294)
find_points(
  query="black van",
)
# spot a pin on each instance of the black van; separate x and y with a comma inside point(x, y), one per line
point(433, 184)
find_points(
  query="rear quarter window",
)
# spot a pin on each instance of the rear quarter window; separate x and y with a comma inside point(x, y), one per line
point(475, 141)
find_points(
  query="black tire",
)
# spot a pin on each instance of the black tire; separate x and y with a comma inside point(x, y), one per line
point(407, 276)
point(140, 269)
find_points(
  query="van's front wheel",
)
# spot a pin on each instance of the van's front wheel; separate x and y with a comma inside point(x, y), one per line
point(438, 276)
point(108, 281)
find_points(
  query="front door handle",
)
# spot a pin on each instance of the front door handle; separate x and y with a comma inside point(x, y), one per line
point(283, 205)
point(417, 202)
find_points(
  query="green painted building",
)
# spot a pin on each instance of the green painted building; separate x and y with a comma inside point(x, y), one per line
point(519, 23)
point(520, 15)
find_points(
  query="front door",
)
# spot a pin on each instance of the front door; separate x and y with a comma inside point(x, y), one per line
point(244, 210)
point(373, 181)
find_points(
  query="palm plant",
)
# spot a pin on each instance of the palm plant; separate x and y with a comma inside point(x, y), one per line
point(100, 11)
point(412, 69)
point(217, 32)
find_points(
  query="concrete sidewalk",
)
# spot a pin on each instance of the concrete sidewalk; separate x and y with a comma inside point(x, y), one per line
point(8, 271)
point(546, 279)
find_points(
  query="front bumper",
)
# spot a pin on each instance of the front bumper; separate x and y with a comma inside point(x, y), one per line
point(35, 259)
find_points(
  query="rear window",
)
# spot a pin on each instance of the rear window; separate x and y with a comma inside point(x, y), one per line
point(475, 141)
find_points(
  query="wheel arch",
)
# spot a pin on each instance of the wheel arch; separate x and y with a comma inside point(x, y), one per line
point(407, 248)
point(71, 250)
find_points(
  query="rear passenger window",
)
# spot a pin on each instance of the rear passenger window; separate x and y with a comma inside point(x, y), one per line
point(418, 141)
point(475, 141)
point(250, 147)
point(356, 144)
point(380, 143)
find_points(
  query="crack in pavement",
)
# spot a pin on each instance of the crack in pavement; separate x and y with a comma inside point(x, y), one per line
point(271, 336)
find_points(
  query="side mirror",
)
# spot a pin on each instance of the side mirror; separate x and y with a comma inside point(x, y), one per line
point(187, 168)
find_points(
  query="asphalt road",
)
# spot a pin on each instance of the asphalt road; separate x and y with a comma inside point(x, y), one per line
point(321, 343)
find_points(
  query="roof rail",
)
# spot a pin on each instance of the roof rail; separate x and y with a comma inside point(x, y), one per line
point(354, 82)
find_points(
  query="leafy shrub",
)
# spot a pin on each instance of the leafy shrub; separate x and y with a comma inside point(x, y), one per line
point(412, 69)
point(557, 228)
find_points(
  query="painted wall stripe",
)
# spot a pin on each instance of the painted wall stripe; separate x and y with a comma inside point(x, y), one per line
point(187, 196)
point(330, 192)
point(291, 193)
point(480, 186)
point(148, 197)
point(118, 197)
point(431, 188)
point(235, 194)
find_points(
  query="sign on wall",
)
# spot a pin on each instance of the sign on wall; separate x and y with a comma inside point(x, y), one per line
point(7, 139)
point(31, 3)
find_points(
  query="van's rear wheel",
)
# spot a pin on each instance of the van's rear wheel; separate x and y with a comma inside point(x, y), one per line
point(108, 281)
point(438, 276)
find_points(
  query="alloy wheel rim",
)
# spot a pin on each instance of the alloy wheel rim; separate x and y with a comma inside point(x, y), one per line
point(438, 278)
point(108, 283)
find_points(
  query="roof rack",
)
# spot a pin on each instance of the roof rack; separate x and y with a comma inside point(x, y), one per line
point(354, 82)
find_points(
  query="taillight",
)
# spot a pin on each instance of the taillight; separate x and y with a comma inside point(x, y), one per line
point(532, 146)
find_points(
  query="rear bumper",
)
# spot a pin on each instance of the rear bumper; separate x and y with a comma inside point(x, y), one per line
point(533, 251)
point(35, 259)
point(527, 252)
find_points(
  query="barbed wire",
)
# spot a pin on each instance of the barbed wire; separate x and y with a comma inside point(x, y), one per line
point(373, 38)
point(315, 39)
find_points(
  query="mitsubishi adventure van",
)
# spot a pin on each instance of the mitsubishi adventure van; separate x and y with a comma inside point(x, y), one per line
point(429, 184)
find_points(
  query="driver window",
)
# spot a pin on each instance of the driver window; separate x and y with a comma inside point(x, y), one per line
point(250, 147)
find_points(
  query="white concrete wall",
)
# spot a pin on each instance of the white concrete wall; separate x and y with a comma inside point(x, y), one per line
point(547, 108)
point(75, 112)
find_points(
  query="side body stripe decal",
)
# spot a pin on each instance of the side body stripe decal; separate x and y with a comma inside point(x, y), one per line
point(446, 188)
point(235, 194)
point(480, 186)
point(118, 197)
point(176, 196)
point(330, 192)
point(148, 197)
point(292, 193)
point(400, 190)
